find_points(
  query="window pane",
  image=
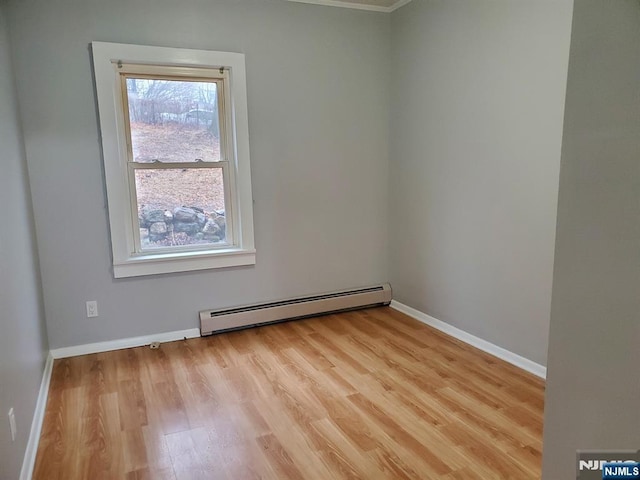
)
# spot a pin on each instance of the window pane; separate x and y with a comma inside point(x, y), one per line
point(180, 206)
point(173, 120)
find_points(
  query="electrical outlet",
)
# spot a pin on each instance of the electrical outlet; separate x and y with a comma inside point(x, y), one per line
point(92, 309)
point(12, 424)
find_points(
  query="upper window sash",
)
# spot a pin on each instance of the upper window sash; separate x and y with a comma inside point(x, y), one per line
point(219, 76)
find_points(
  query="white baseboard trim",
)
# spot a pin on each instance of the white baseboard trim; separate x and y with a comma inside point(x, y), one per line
point(29, 459)
point(503, 354)
point(123, 343)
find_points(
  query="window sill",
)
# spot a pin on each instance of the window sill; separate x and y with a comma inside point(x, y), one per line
point(183, 262)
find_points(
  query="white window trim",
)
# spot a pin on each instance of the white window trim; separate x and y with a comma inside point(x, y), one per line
point(126, 263)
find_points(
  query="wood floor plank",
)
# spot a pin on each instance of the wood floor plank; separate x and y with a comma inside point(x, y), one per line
point(339, 454)
point(134, 450)
point(157, 451)
point(336, 354)
point(370, 394)
point(399, 434)
point(279, 458)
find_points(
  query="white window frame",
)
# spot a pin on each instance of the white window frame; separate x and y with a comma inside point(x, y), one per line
point(128, 259)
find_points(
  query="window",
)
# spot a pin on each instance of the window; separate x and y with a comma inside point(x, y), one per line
point(176, 157)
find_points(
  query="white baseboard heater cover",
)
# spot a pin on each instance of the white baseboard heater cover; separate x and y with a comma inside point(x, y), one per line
point(215, 321)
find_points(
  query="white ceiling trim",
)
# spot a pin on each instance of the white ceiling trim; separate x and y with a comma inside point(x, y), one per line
point(356, 6)
point(398, 4)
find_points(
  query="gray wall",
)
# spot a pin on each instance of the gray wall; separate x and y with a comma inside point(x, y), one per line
point(593, 391)
point(476, 125)
point(23, 344)
point(318, 85)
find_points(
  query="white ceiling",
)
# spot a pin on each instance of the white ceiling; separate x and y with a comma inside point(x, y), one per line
point(374, 5)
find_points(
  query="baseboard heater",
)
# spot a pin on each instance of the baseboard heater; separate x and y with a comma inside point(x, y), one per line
point(216, 321)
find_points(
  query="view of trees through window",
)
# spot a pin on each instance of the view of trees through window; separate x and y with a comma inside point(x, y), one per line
point(173, 120)
point(177, 121)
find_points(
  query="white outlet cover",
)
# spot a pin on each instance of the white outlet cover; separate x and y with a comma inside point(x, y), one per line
point(92, 309)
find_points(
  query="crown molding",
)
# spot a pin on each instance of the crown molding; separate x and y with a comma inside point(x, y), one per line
point(355, 6)
point(397, 5)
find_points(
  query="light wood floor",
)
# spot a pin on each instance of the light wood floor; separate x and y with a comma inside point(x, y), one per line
point(368, 395)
